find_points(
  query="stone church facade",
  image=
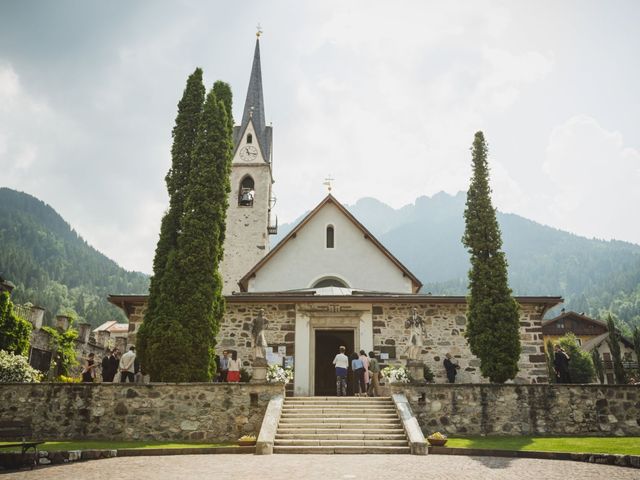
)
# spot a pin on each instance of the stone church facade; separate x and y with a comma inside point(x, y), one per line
point(330, 282)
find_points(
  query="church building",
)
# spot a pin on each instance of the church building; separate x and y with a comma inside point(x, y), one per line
point(329, 282)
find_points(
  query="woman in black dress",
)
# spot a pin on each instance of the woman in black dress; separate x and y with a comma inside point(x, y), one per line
point(87, 371)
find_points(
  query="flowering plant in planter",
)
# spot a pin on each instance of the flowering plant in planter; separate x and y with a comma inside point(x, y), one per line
point(396, 374)
point(277, 374)
point(247, 440)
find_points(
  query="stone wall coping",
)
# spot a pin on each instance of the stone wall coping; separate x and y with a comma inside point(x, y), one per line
point(278, 386)
point(267, 436)
point(447, 386)
point(410, 424)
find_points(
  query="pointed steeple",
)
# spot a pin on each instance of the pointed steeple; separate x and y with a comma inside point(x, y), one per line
point(254, 104)
point(254, 107)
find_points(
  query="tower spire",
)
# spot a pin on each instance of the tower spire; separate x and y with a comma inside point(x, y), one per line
point(254, 103)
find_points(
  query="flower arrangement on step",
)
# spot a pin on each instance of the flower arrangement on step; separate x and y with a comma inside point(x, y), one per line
point(247, 440)
point(396, 374)
point(277, 374)
point(437, 439)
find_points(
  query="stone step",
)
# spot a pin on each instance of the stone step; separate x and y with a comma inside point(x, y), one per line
point(302, 399)
point(349, 401)
point(341, 443)
point(341, 436)
point(342, 450)
point(336, 408)
point(334, 426)
point(373, 416)
point(340, 431)
point(340, 419)
point(338, 422)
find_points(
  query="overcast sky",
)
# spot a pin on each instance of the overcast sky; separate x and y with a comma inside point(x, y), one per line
point(384, 96)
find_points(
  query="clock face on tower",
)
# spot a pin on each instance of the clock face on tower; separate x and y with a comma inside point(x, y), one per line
point(248, 153)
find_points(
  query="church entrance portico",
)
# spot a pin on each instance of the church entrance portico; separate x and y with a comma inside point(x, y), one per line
point(320, 329)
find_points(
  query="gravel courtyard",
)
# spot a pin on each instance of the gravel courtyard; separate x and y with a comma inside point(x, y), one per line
point(327, 467)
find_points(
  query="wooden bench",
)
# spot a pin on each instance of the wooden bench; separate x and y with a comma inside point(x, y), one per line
point(20, 432)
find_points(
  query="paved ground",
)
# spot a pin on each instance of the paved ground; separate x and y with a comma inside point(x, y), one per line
point(327, 467)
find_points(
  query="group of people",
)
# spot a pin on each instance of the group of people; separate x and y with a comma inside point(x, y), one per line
point(115, 367)
point(228, 367)
point(366, 373)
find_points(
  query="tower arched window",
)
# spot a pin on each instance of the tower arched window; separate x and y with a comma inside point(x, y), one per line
point(330, 237)
point(249, 138)
point(246, 192)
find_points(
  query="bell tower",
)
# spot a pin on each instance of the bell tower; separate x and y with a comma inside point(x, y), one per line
point(250, 201)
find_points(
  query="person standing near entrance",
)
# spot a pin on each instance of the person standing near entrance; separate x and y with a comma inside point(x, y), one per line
point(359, 388)
point(341, 362)
point(374, 368)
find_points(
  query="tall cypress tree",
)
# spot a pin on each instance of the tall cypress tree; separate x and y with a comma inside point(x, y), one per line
point(493, 328)
point(191, 304)
point(184, 139)
point(614, 346)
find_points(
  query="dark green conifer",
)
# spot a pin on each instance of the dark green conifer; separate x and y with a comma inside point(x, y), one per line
point(184, 138)
point(191, 304)
point(614, 346)
point(493, 329)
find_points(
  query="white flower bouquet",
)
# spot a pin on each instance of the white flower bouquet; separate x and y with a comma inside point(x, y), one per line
point(277, 374)
point(396, 374)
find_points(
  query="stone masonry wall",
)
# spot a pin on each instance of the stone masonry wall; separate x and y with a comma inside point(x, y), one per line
point(444, 332)
point(491, 409)
point(235, 331)
point(192, 411)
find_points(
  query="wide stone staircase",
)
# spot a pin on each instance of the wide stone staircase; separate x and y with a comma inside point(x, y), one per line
point(340, 425)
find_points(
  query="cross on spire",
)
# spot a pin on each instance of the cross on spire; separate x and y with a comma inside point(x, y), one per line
point(258, 30)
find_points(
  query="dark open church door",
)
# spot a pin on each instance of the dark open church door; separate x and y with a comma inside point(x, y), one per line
point(327, 346)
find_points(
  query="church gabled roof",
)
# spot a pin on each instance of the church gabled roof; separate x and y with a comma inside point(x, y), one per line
point(254, 108)
point(244, 281)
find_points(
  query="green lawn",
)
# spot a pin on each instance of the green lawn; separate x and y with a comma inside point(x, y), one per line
point(618, 445)
point(113, 445)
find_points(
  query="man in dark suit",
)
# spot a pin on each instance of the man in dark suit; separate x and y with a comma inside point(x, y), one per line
point(109, 366)
point(224, 366)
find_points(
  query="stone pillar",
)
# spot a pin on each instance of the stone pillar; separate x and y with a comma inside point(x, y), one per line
point(102, 337)
point(259, 371)
point(121, 344)
point(84, 329)
point(63, 322)
point(416, 370)
point(36, 317)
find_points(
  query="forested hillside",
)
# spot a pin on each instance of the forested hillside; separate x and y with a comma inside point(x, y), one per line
point(52, 266)
point(593, 276)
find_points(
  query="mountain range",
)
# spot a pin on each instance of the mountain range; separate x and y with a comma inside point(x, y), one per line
point(52, 266)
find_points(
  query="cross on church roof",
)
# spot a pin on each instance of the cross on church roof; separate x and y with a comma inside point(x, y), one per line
point(327, 182)
point(258, 30)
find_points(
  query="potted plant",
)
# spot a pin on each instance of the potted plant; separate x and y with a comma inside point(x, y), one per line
point(437, 439)
point(247, 440)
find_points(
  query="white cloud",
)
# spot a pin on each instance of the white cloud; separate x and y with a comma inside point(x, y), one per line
point(595, 181)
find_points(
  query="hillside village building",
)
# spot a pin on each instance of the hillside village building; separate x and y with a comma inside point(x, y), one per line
point(329, 282)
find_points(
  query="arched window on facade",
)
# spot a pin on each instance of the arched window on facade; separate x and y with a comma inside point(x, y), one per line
point(330, 243)
point(249, 138)
point(246, 192)
point(330, 282)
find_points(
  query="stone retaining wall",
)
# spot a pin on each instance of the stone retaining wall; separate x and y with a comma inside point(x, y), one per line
point(188, 411)
point(540, 409)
